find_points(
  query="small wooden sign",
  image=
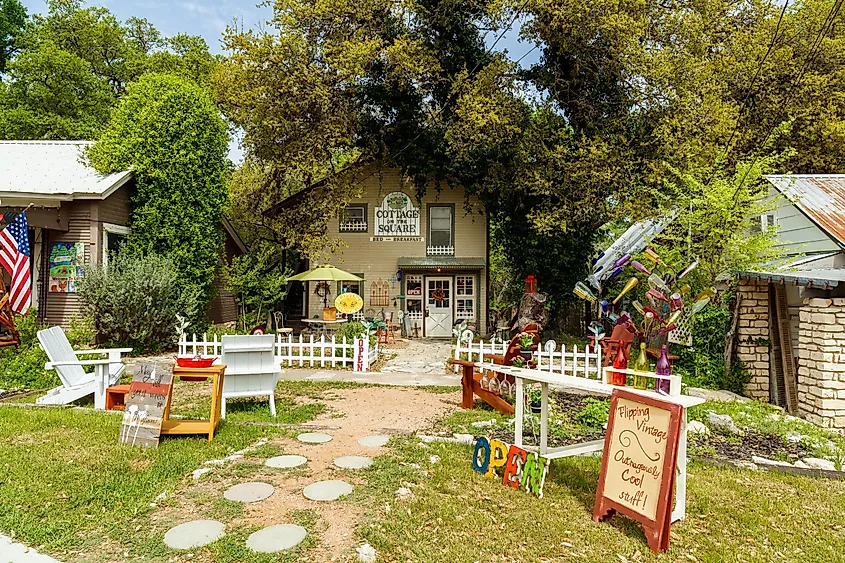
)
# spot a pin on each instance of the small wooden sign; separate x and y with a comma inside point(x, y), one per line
point(145, 404)
point(521, 470)
point(638, 465)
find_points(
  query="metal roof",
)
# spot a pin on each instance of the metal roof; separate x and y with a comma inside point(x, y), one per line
point(53, 170)
point(442, 262)
point(821, 279)
point(821, 197)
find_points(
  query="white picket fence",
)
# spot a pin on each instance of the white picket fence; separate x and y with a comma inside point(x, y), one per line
point(298, 352)
point(576, 362)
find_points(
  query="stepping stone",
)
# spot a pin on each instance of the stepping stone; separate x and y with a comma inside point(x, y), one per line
point(353, 462)
point(249, 492)
point(276, 538)
point(286, 461)
point(314, 438)
point(327, 490)
point(374, 441)
point(196, 533)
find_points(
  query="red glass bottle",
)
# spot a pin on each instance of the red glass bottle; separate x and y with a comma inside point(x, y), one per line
point(663, 368)
point(619, 362)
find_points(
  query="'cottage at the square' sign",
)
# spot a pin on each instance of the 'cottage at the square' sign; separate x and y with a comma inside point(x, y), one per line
point(397, 217)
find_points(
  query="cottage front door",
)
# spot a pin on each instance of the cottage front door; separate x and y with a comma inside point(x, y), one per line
point(438, 307)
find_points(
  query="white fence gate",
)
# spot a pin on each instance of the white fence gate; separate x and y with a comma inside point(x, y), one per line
point(298, 352)
point(584, 362)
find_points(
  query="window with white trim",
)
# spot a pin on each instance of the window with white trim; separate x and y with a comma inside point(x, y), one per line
point(354, 219)
point(114, 237)
point(440, 239)
point(764, 223)
point(465, 297)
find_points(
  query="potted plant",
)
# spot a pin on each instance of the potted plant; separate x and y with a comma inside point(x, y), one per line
point(535, 396)
point(519, 362)
point(526, 344)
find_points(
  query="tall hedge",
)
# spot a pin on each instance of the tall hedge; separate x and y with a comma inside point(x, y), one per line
point(168, 130)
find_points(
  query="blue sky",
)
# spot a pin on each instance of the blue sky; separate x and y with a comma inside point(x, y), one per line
point(209, 18)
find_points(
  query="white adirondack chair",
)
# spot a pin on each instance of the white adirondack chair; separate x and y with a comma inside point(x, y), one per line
point(76, 383)
point(251, 368)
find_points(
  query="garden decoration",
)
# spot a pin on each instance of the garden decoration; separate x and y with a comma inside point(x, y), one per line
point(146, 403)
point(667, 307)
point(349, 303)
point(637, 475)
point(7, 318)
point(519, 468)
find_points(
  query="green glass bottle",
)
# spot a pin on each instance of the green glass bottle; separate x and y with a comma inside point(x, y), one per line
point(641, 365)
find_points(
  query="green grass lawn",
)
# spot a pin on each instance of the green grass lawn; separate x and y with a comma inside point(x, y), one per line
point(66, 484)
point(458, 515)
point(68, 488)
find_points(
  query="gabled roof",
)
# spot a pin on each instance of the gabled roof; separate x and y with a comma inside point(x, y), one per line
point(821, 197)
point(53, 170)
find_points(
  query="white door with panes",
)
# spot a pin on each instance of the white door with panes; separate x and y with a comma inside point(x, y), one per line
point(438, 307)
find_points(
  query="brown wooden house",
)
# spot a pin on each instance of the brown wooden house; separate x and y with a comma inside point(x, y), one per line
point(78, 216)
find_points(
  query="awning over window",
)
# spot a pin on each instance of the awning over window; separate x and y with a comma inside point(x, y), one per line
point(441, 262)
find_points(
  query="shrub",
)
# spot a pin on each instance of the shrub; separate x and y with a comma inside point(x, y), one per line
point(594, 414)
point(134, 302)
point(168, 130)
point(22, 367)
point(703, 363)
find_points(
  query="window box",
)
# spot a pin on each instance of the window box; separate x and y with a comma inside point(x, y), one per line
point(354, 219)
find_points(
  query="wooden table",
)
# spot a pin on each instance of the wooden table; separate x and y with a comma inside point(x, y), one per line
point(206, 426)
point(545, 378)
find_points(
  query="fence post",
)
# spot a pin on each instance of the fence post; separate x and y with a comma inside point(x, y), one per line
point(366, 341)
point(458, 351)
point(301, 358)
point(334, 362)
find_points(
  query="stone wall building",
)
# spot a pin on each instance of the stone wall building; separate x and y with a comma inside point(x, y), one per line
point(791, 320)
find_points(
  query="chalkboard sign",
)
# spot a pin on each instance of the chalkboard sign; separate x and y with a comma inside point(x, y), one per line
point(638, 465)
point(145, 404)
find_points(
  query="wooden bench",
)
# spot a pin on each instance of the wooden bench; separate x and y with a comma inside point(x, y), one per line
point(471, 380)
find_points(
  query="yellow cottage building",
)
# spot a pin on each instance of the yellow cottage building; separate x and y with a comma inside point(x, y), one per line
point(428, 259)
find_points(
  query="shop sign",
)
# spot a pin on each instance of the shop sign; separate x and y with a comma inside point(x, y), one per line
point(638, 466)
point(513, 466)
point(397, 219)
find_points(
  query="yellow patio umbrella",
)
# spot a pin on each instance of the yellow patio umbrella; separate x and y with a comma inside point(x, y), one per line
point(324, 272)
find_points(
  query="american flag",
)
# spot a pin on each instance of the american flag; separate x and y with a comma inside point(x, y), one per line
point(15, 258)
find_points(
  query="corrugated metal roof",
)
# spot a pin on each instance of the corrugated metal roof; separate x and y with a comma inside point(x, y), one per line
point(443, 262)
point(821, 197)
point(821, 279)
point(53, 170)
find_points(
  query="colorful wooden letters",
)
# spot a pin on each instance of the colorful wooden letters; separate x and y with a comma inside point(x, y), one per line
point(522, 470)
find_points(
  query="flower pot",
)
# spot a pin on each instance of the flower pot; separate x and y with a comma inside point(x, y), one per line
point(526, 353)
point(535, 407)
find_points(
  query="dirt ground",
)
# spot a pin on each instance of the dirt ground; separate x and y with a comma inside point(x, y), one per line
point(351, 415)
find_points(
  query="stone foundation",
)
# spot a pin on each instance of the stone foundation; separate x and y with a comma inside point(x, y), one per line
point(752, 347)
point(821, 365)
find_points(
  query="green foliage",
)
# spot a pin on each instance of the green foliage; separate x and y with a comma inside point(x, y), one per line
point(257, 279)
point(594, 414)
point(22, 367)
point(71, 67)
point(135, 300)
point(12, 21)
point(170, 133)
point(353, 330)
point(703, 363)
point(719, 224)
